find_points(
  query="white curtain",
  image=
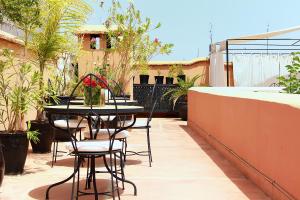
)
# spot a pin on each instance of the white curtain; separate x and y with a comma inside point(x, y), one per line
point(217, 75)
point(258, 69)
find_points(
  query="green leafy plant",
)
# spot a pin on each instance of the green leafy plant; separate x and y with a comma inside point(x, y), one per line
point(179, 70)
point(18, 85)
point(129, 38)
point(144, 69)
point(59, 19)
point(158, 72)
point(23, 13)
point(182, 90)
point(172, 71)
point(291, 83)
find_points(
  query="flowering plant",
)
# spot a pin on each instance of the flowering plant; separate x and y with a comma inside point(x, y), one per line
point(93, 43)
point(92, 89)
point(91, 82)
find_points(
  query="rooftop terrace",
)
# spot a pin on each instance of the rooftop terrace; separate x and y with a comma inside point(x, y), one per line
point(184, 167)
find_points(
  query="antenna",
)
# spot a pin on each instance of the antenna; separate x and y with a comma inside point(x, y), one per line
point(211, 33)
point(268, 27)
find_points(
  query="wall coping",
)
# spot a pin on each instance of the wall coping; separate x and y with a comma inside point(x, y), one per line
point(269, 94)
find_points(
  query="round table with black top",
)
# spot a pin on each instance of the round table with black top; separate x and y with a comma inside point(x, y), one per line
point(110, 102)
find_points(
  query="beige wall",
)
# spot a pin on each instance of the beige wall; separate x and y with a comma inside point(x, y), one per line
point(89, 58)
point(261, 131)
point(190, 70)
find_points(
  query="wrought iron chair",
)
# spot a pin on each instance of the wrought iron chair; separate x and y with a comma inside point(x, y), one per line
point(91, 148)
point(61, 134)
point(142, 123)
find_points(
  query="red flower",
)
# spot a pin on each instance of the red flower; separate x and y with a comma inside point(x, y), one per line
point(156, 40)
point(94, 82)
point(102, 82)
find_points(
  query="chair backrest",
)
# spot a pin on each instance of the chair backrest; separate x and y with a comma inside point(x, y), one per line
point(153, 102)
point(91, 86)
point(116, 86)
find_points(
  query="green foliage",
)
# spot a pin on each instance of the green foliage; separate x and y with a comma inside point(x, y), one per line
point(18, 85)
point(179, 70)
point(172, 71)
point(292, 81)
point(183, 86)
point(158, 72)
point(129, 36)
point(23, 13)
point(59, 19)
point(32, 135)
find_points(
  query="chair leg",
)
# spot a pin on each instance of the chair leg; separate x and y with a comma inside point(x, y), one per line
point(116, 171)
point(78, 178)
point(56, 150)
point(111, 176)
point(76, 170)
point(125, 154)
point(93, 172)
point(88, 175)
point(122, 169)
point(149, 147)
point(53, 153)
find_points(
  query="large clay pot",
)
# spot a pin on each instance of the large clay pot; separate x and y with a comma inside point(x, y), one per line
point(15, 147)
point(45, 136)
point(169, 80)
point(159, 79)
point(2, 165)
point(180, 77)
point(183, 111)
point(144, 79)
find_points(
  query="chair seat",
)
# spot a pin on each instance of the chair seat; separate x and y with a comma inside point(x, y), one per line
point(105, 118)
point(140, 123)
point(73, 123)
point(103, 134)
point(94, 146)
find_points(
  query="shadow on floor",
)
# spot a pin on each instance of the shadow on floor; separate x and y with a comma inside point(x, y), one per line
point(69, 162)
point(226, 166)
point(62, 192)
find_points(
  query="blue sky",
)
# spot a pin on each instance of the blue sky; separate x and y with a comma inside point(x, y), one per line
point(186, 24)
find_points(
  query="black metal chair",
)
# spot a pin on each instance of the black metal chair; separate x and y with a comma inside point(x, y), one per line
point(145, 124)
point(61, 134)
point(92, 149)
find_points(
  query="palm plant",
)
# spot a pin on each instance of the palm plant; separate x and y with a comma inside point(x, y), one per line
point(59, 19)
point(182, 90)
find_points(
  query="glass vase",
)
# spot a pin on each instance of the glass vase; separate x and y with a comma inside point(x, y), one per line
point(92, 96)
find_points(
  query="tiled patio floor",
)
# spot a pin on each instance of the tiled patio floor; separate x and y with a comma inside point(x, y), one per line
point(185, 167)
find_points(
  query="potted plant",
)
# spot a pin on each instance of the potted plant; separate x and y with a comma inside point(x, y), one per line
point(159, 79)
point(130, 34)
point(171, 73)
point(49, 42)
point(17, 94)
point(180, 73)
point(181, 92)
point(144, 76)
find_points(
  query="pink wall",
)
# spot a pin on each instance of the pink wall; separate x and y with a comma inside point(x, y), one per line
point(265, 134)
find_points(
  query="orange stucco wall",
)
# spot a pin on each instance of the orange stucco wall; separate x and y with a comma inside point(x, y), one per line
point(264, 133)
point(199, 67)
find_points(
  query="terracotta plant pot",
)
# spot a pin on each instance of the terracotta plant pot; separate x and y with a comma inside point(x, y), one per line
point(182, 77)
point(159, 79)
point(144, 79)
point(169, 80)
point(45, 137)
point(2, 165)
point(15, 147)
point(183, 111)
